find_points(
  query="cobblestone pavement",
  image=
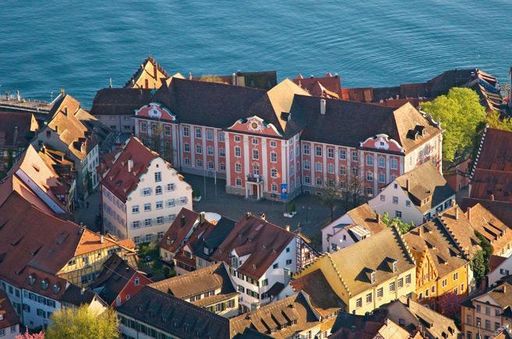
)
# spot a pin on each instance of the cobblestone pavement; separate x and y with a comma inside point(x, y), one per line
point(311, 214)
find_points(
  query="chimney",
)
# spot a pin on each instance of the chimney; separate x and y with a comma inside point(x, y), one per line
point(155, 70)
point(469, 214)
point(378, 218)
point(189, 75)
point(247, 215)
point(82, 291)
point(456, 213)
point(102, 239)
point(407, 185)
point(183, 220)
point(491, 197)
point(65, 111)
point(130, 165)
point(323, 105)
point(201, 217)
point(288, 228)
point(15, 135)
point(420, 231)
point(233, 80)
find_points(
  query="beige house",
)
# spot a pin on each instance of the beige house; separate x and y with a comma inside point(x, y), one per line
point(487, 312)
point(370, 273)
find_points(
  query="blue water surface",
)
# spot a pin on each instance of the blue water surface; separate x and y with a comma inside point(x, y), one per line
point(80, 45)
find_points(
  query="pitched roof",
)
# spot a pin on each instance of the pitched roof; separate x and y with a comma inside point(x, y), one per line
point(492, 228)
point(113, 278)
point(32, 174)
point(174, 316)
point(72, 131)
point(364, 215)
point(280, 319)
point(491, 176)
point(38, 244)
point(8, 314)
point(257, 238)
point(206, 279)
point(353, 265)
point(500, 209)
point(207, 103)
point(149, 70)
point(455, 222)
point(501, 294)
point(322, 297)
point(432, 238)
point(426, 187)
point(122, 180)
point(375, 325)
point(120, 101)
point(434, 324)
point(16, 128)
point(350, 123)
point(174, 237)
point(328, 85)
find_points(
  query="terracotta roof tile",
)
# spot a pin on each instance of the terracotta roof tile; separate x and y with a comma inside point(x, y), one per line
point(492, 228)
point(280, 319)
point(211, 278)
point(9, 316)
point(427, 188)
point(258, 238)
point(492, 174)
point(323, 298)
point(119, 179)
point(174, 316)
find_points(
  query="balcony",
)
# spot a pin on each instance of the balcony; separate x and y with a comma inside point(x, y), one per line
point(256, 178)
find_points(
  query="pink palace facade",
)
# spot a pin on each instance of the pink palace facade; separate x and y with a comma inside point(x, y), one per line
point(266, 143)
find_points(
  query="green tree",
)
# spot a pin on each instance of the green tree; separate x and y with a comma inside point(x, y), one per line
point(402, 226)
point(82, 323)
point(461, 116)
point(494, 120)
point(331, 194)
point(480, 262)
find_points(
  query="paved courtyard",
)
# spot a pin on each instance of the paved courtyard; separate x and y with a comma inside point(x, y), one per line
point(311, 214)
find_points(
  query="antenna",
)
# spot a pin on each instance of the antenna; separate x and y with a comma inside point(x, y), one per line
point(110, 83)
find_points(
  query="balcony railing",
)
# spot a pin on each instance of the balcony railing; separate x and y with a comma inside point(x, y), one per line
point(254, 178)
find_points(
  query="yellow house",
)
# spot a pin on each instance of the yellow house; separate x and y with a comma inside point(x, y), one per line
point(91, 251)
point(442, 268)
point(370, 273)
point(149, 75)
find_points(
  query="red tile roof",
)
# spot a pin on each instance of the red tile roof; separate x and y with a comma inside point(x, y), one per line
point(36, 246)
point(119, 180)
point(16, 128)
point(492, 174)
point(9, 316)
point(258, 238)
point(316, 86)
point(181, 226)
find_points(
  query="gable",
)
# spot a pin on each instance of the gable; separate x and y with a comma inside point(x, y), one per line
point(255, 125)
point(382, 142)
point(155, 110)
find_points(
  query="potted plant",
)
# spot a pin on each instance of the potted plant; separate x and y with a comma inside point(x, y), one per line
point(293, 209)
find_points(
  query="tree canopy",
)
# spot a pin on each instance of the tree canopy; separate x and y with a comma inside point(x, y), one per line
point(402, 226)
point(82, 323)
point(461, 116)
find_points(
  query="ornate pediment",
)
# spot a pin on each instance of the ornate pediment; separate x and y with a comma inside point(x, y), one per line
point(155, 111)
point(255, 125)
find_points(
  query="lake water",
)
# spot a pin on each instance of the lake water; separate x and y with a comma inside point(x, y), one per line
point(79, 45)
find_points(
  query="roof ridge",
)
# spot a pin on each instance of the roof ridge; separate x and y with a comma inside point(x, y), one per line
point(480, 146)
point(452, 235)
point(335, 267)
point(404, 244)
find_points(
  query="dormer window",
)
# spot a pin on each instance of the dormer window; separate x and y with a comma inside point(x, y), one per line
point(136, 281)
point(31, 280)
point(44, 284)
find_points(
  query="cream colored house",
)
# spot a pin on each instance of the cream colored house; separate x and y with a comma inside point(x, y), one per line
point(370, 273)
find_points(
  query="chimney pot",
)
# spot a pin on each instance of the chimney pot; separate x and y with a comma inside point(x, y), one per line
point(201, 217)
point(469, 214)
point(130, 165)
point(323, 106)
point(407, 185)
point(456, 213)
point(492, 197)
